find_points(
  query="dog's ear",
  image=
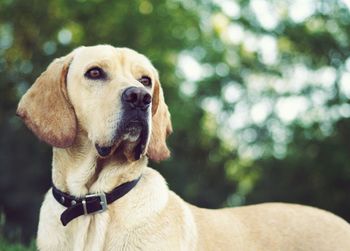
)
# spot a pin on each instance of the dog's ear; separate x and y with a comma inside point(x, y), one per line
point(45, 107)
point(161, 125)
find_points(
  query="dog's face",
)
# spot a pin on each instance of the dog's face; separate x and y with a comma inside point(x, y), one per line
point(113, 95)
point(111, 92)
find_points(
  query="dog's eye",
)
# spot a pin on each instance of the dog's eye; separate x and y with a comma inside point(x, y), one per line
point(95, 73)
point(146, 81)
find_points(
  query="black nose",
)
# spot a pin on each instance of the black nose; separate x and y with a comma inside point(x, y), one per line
point(136, 97)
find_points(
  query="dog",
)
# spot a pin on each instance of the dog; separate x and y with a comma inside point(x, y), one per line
point(102, 109)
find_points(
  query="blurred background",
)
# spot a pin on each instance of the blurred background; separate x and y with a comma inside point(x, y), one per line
point(258, 91)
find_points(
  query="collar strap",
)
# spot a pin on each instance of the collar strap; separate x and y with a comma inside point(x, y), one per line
point(91, 203)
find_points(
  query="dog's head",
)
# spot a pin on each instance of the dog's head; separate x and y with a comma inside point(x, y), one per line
point(112, 95)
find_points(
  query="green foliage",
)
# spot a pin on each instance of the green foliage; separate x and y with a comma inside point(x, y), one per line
point(260, 109)
point(308, 169)
point(6, 246)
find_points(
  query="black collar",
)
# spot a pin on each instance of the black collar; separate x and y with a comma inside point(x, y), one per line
point(91, 203)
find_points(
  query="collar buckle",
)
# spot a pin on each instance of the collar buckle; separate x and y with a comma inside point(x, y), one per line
point(91, 203)
point(103, 202)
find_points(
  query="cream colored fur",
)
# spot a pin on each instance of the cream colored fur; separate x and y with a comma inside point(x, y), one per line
point(149, 217)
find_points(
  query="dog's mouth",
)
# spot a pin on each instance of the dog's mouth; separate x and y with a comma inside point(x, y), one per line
point(129, 142)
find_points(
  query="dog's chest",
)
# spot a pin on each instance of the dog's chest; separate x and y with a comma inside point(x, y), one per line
point(89, 233)
point(101, 235)
point(143, 220)
point(101, 231)
point(85, 233)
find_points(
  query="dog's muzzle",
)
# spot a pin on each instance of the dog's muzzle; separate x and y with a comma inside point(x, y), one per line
point(133, 129)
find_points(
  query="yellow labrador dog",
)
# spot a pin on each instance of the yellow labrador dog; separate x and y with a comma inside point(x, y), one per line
point(103, 111)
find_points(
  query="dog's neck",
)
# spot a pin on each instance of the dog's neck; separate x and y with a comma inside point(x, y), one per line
point(78, 170)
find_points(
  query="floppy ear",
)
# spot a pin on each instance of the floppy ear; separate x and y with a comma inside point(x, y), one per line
point(161, 126)
point(45, 108)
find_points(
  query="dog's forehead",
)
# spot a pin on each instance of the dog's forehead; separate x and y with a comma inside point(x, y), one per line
point(110, 55)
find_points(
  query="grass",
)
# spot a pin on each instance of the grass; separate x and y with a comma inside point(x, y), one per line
point(7, 246)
